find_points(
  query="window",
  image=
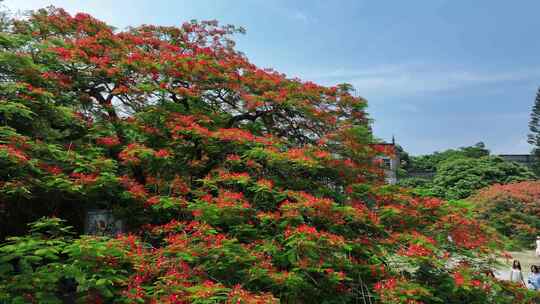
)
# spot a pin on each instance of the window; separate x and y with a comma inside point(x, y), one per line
point(387, 163)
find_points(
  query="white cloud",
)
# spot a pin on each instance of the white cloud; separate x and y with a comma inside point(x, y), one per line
point(417, 79)
point(108, 11)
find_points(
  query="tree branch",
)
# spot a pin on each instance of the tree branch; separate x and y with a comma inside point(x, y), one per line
point(106, 103)
point(177, 100)
point(245, 116)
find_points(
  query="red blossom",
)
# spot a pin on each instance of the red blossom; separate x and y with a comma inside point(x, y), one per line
point(265, 183)
point(153, 200)
point(179, 186)
point(321, 154)
point(83, 178)
point(135, 189)
point(134, 152)
point(415, 250)
point(54, 170)
point(64, 53)
point(458, 279)
point(162, 153)
point(388, 284)
point(108, 141)
point(234, 176)
point(385, 149)
point(15, 153)
point(233, 157)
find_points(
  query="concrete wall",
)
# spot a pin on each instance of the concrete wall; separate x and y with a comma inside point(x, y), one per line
point(391, 165)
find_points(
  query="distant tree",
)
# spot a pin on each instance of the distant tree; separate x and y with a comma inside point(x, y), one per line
point(534, 131)
point(476, 151)
point(404, 161)
point(460, 178)
point(414, 182)
point(511, 209)
point(429, 162)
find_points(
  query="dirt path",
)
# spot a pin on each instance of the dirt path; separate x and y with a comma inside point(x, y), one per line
point(526, 258)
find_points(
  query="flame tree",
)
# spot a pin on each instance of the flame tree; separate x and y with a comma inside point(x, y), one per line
point(237, 184)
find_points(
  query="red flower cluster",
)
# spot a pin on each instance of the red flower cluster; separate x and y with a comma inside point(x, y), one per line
point(134, 153)
point(83, 178)
point(108, 141)
point(312, 234)
point(14, 153)
point(63, 53)
point(227, 199)
point(384, 149)
point(135, 189)
point(181, 125)
point(467, 233)
point(54, 170)
point(234, 176)
point(415, 250)
point(233, 157)
point(265, 183)
point(162, 153)
point(527, 192)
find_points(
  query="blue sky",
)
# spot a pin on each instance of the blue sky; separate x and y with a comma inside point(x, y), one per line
point(437, 74)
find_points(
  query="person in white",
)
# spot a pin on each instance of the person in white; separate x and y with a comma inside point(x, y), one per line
point(516, 275)
point(534, 278)
point(538, 246)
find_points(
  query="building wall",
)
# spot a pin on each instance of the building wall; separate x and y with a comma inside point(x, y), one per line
point(391, 165)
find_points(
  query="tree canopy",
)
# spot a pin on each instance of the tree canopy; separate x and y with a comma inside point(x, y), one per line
point(237, 184)
point(458, 173)
point(429, 162)
point(533, 137)
point(513, 209)
point(461, 177)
